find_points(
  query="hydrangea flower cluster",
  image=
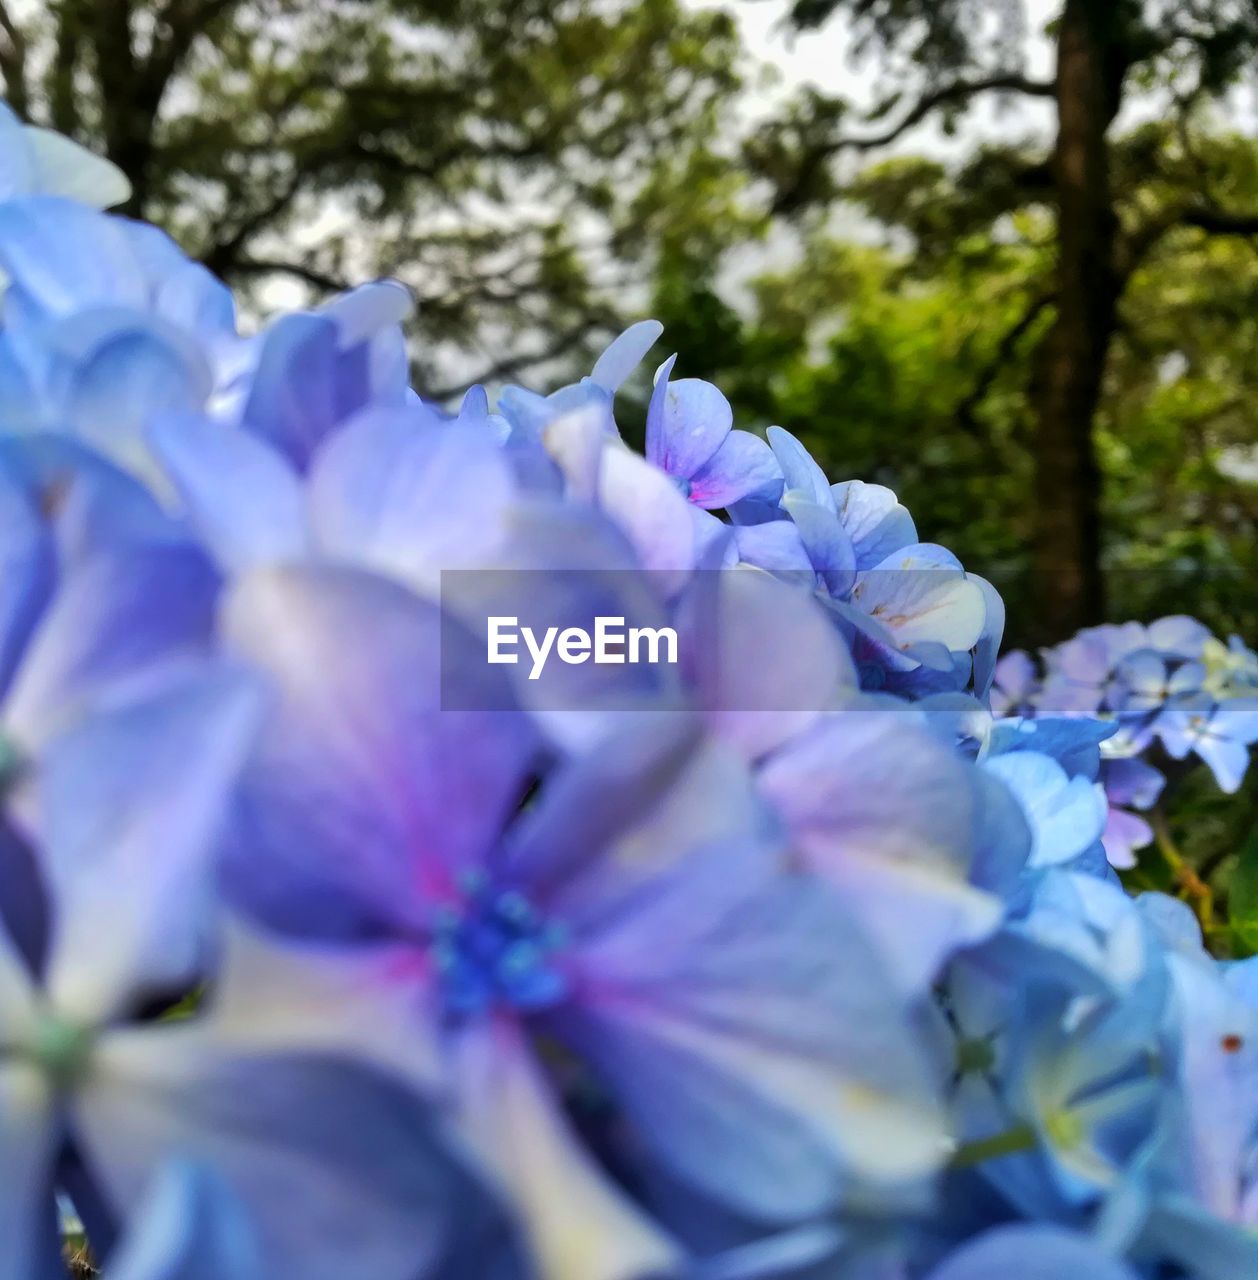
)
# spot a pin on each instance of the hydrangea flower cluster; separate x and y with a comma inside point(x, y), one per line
point(330, 949)
point(1171, 691)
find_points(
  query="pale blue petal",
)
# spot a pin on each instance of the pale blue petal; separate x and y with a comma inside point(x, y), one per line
point(65, 257)
point(189, 1227)
point(625, 353)
point(61, 167)
point(875, 521)
point(800, 472)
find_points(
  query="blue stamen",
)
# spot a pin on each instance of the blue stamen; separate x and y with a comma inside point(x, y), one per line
point(497, 950)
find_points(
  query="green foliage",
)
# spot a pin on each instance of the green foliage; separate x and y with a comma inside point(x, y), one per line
point(913, 363)
point(1244, 899)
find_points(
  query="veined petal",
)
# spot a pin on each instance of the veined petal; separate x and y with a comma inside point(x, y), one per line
point(369, 793)
point(884, 812)
point(922, 603)
point(694, 421)
point(743, 466)
point(800, 471)
point(874, 519)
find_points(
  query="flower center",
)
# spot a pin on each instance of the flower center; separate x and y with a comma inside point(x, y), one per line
point(61, 1049)
point(975, 1057)
point(497, 950)
point(11, 762)
point(1065, 1128)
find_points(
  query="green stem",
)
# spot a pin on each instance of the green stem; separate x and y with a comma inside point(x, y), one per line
point(1190, 885)
point(1010, 1143)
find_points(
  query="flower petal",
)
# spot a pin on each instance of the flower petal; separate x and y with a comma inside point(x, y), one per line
point(369, 793)
point(129, 805)
point(241, 496)
point(577, 1224)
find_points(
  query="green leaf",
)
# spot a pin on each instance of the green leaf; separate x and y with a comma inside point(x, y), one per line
point(1243, 899)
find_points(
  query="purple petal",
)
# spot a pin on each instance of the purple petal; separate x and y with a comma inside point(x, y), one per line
point(118, 623)
point(753, 703)
point(129, 805)
point(693, 420)
point(757, 1074)
point(241, 496)
point(411, 499)
point(886, 813)
point(367, 790)
point(743, 465)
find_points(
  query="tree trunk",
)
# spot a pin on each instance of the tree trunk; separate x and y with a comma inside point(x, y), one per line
point(1091, 65)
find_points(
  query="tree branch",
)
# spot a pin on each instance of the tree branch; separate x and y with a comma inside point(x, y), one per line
point(1219, 222)
point(957, 91)
point(13, 62)
point(300, 271)
point(1137, 246)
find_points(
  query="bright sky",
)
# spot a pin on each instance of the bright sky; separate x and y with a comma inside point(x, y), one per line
point(821, 59)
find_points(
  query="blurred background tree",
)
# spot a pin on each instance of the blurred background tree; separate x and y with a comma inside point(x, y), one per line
point(1109, 207)
point(1045, 343)
point(511, 160)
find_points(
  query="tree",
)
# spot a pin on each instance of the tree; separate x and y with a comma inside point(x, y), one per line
point(511, 159)
point(958, 50)
point(914, 365)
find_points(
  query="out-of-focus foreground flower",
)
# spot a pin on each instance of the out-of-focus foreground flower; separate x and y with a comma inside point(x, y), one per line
point(331, 948)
